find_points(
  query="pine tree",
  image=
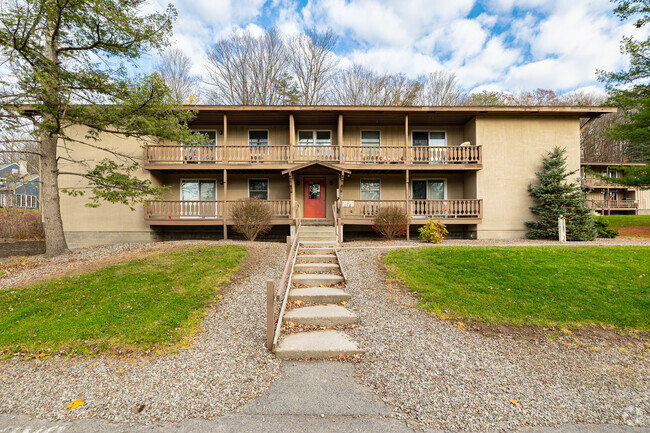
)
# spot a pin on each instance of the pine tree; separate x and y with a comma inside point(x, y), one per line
point(555, 196)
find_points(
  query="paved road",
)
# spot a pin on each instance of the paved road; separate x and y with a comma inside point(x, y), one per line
point(308, 396)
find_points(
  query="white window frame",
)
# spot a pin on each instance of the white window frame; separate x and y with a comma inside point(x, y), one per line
point(196, 153)
point(183, 179)
point(313, 137)
point(369, 130)
point(268, 186)
point(197, 179)
point(444, 179)
point(268, 136)
point(369, 179)
point(428, 131)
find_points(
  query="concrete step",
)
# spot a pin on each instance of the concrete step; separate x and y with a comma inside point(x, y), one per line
point(316, 345)
point(316, 251)
point(319, 244)
point(317, 258)
point(321, 315)
point(317, 279)
point(322, 295)
point(317, 229)
point(317, 237)
point(316, 267)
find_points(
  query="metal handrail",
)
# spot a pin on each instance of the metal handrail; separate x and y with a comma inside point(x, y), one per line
point(288, 286)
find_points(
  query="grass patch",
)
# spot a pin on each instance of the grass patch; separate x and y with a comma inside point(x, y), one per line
point(152, 303)
point(618, 221)
point(542, 286)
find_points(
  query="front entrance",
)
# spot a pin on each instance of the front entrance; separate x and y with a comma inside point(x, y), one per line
point(314, 198)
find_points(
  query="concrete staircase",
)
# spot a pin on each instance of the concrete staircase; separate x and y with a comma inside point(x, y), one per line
point(318, 282)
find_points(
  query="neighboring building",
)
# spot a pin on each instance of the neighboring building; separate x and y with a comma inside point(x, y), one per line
point(609, 198)
point(18, 189)
point(469, 167)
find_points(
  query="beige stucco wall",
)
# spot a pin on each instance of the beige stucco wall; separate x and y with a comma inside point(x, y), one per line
point(512, 153)
point(103, 225)
point(644, 201)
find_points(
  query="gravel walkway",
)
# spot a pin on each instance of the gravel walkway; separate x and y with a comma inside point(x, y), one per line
point(442, 377)
point(226, 367)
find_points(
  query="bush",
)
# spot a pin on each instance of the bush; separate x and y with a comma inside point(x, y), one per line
point(251, 217)
point(21, 224)
point(433, 232)
point(391, 222)
point(605, 230)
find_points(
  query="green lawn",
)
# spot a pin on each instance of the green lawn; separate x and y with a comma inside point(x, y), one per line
point(559, 286)
point(617, 221)
point(152, 303)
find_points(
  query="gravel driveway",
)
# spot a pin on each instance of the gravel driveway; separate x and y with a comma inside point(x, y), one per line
point(225, 368)
point(442, 377)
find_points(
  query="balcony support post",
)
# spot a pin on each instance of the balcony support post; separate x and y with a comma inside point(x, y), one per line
point(225, 139)
point(406, 139)
point(292, 140)
point(340, 137)
point(408, 207)
point(292, 193)
point(225, 202)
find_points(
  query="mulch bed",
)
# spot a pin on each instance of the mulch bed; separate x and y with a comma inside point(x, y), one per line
point(640, 231)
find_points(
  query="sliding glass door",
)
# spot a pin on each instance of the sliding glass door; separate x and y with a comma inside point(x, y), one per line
point(422, 194)
point(198, 198)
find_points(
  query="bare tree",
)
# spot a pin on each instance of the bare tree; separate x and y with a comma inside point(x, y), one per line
point(175, 67)
point(313, 64)
point(441, 88)
point(582, 99)
point(248, 70)
point(360, 86)
point(597, 146)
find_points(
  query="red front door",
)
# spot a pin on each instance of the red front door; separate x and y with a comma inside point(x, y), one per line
point(314, 198)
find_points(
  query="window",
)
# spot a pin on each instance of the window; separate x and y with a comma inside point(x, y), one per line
point(428, 189)
point(195, 154)
point(312, 138)
point(258, 188)
point(258, 138)
point(203, 190)
point(370, 138)
point(370, 189)
point(613, 195)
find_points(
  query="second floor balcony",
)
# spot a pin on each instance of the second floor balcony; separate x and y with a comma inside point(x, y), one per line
point(162, 156)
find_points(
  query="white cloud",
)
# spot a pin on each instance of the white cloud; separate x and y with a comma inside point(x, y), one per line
point(512, 45)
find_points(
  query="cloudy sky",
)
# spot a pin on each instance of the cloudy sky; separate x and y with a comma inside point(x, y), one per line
point(509, 45)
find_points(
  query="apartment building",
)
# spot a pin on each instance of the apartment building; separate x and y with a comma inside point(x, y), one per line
point(469, 167)
point(610, 198)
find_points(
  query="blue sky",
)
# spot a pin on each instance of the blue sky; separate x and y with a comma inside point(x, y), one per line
point(508, 45)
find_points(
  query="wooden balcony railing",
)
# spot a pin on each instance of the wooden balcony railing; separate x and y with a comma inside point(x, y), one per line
point(155, 154)
point(445, 154)
point(595, 182)
point(437, 209)
point(373, 154)
point(159, 154)
point(178, 210)
point(302, 153)
point(257, 154)
point(613, 204)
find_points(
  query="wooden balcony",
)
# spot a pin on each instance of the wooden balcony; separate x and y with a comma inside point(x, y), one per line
point(195, 212)
point(595, 182)
point(386, 157)
point(458, 211)
point(613, 204)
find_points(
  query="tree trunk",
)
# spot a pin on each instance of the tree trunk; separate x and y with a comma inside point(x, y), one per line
point(55, 243)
